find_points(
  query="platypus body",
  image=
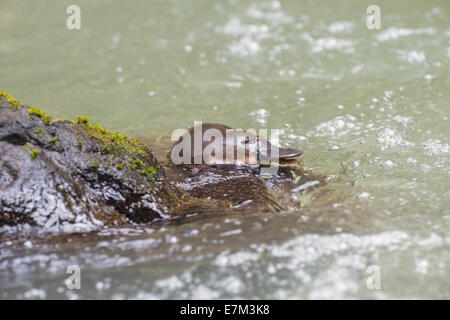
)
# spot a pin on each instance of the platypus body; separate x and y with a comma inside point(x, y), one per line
point(213, 144)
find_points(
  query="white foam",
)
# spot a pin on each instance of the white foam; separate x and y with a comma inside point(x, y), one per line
point(389, 138)
point(325, 44)
point(413, 56)
point(435, 147)
point(340, 26)
point(338, 127)
point(394, 33)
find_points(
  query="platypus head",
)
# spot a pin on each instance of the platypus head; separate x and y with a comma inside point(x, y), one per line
point(268, 152)
point(212, 143)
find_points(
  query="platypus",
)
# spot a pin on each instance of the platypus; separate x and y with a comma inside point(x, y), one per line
point(216, 144)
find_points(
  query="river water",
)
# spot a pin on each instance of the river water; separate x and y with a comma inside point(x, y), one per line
point(369, 108)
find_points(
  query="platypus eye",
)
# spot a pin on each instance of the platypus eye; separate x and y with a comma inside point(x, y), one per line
point(249, 141)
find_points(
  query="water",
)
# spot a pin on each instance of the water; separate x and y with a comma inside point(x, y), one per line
point(370, 108)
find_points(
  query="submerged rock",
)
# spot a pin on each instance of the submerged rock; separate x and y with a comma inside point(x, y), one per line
point(223, 186)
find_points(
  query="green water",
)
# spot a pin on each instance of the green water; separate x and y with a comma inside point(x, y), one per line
point(368, 107)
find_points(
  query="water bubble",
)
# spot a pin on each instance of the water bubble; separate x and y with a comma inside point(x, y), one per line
point(28, 244)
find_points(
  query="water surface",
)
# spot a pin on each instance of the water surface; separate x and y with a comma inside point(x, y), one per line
point(369, 108)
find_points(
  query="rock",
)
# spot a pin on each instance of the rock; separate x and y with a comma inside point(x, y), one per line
point(223, 186)
point(75, 176)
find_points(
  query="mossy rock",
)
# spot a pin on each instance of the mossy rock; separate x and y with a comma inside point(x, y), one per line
point(75, 175)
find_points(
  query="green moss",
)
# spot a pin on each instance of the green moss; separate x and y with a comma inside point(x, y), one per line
point(82, 120)
point(34, 153)
point(148, 172)
point(94, 164)
point(136, 164)
point(41, 114)
point(114, 142)
point(118, 144)
point(53, 140)
point(13, 102)
point(61, 119)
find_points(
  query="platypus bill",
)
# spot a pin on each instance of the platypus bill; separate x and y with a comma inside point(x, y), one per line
point(244, 148)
